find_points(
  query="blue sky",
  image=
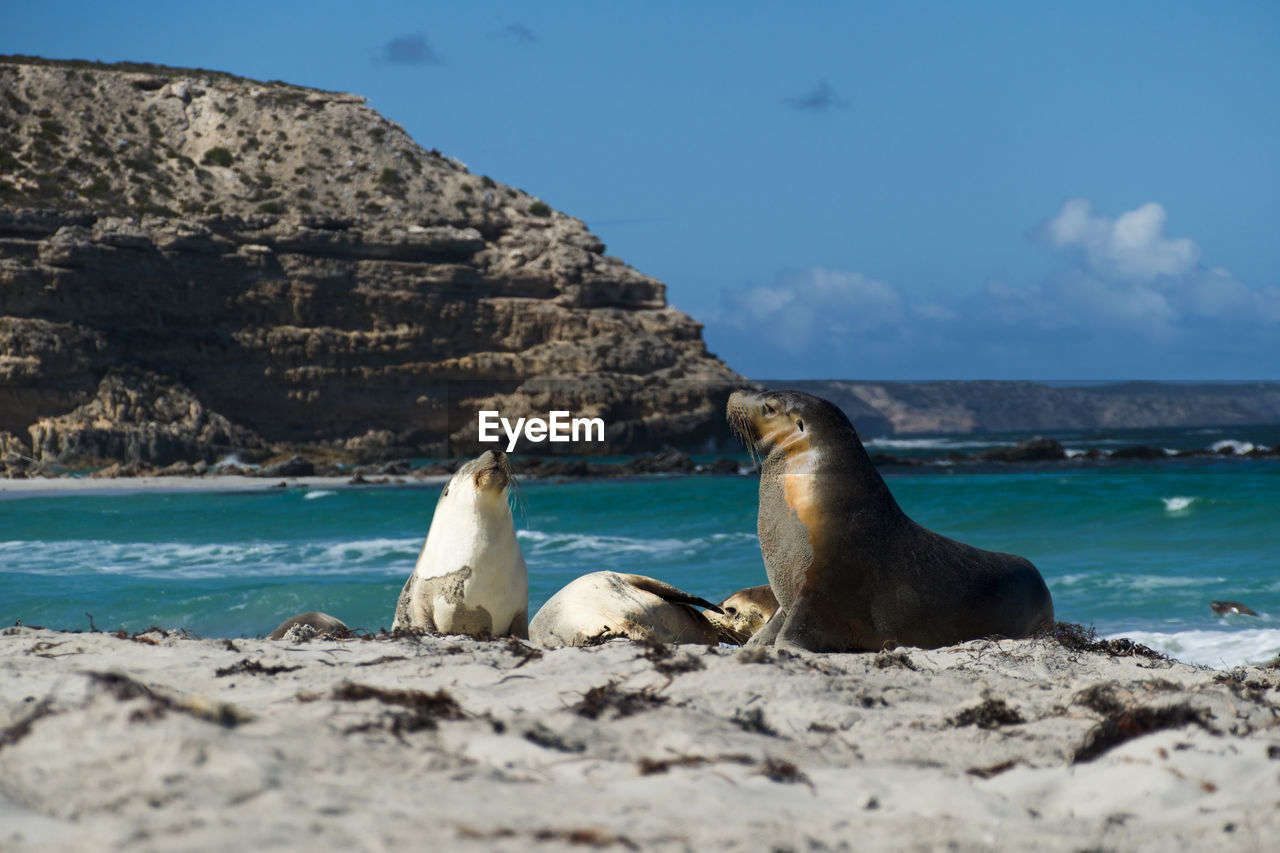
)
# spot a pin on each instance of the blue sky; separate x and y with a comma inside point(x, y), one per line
point(892, 190)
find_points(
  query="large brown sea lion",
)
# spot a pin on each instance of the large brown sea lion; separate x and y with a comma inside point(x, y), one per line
point(850, 570)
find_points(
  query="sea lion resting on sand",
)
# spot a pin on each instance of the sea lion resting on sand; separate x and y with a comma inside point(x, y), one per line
point(470, 577)
point(743, 614)
point(850, 570)
point(602, 606)
point(312, 624)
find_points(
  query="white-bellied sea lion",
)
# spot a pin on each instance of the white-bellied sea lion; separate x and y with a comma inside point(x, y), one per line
point(319, 624)
point(604, 605)
point(850, 570)
point(470, 577)
point(743, 614)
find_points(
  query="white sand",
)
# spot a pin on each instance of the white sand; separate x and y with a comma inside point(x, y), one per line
point(819, 752)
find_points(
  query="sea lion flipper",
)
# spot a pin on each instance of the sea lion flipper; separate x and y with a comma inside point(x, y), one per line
point(667, 592)
point(766, 635)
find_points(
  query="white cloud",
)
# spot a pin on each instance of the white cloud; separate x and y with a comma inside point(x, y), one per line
point(1132, 302)
point(1131, 247)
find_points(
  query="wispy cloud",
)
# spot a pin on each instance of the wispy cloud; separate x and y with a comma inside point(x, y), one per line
point(410, 49)
point(820, 99)
point(1132, 301)
point(517, 34)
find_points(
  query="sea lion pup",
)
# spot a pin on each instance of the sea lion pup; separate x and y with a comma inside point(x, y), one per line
point(470, 577)
point(604, 605)
point(851, 571)
point(743, 614)
point(321, 624)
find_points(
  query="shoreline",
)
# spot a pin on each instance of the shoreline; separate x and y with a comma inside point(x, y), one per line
point(154, 741)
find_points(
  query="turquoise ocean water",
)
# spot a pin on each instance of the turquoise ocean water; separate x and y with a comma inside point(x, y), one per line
point(1131, 549)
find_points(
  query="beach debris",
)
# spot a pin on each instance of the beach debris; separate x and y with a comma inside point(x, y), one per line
point(623, 703)
point(124, 688)
point(524, 651)
point(994, 769)
point(890, 660)
point(546, 738)
point(753, 654)
point(1076, 638)
point(423, 710)
point(665, 660)
point(381, 660)
point(786, 772)
point(1132, 722)
point(588, 837)
point(988, 714)
point(17, 731)
point(252, 667)
point(753, 721)
point(651, 766)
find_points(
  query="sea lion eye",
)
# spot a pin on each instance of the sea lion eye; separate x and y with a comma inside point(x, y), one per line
point(800, 425)
point(768, 410)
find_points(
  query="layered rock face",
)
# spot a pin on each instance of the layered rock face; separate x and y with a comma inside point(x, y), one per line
point(191, 262)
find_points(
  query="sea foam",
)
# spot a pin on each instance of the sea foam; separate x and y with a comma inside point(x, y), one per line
point(1219, 649)
point(1177, 503)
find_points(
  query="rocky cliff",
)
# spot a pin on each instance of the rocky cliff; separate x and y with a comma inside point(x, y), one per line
point(193, 263)
point(905, 408)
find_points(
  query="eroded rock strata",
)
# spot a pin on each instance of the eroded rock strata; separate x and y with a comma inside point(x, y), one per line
point(192, 262)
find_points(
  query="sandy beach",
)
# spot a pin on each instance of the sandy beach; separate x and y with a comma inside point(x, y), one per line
point(163, 742)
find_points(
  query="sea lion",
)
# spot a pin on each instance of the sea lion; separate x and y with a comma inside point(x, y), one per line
point(470, 577)
point(743, 614)
point(604, 605)
point(313, 624)
point(850, 570)
point(1222, 608)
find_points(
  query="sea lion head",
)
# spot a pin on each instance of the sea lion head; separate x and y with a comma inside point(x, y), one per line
point(783, 421)
point(483, 479)
point(743, 614)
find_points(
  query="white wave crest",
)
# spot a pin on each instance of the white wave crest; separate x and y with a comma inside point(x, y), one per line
point(540, 543)
point(1221, 649)
point(933, 443)
point(1237, 447)
point(318, 493)
point(1178, 503)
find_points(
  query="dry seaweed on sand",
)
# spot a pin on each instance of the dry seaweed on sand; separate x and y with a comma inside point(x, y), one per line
point(125, 688)
point(22, 727)
point(753, 721)
point(422, 710)
point(988, 714)
point(252, 667)
point(665, 660)
point(650, 766)
point(524, 651)
point(583, 837)
point(993, 770)
point(786, 772)
point(623, 702)
point(1128, 723)
point(890, 660)
point(1077, 638)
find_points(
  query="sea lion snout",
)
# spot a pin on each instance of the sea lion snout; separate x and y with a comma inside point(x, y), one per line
point(492, 471)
